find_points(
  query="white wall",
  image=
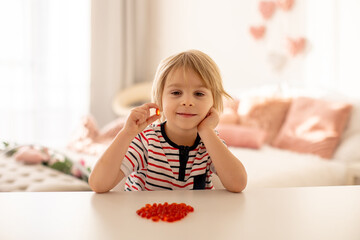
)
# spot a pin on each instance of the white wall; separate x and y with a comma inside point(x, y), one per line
point(334, 59)
point(349, 48)
point(221, 29)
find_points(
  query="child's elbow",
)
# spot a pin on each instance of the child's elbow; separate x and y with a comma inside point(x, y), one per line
point(239, 186)
point(237, 189)
point(99, 190)
point(96, 187)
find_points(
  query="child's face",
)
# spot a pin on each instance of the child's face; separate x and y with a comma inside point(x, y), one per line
point(185, 102)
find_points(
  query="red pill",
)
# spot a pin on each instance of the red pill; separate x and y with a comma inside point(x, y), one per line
point(165, 212)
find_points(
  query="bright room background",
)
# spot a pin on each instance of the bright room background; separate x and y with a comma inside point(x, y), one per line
point(60, 60)
point(44, 69)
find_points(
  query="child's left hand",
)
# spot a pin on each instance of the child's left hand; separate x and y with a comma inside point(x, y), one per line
point(210, 121)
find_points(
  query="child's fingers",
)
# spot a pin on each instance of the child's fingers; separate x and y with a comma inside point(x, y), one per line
point(141, 117)
point(150, 105)
point(146, 107)
point(145, 115)
point(145, 112)
point(151, 109)
point(152, 119)
point(138, 116)
point(212, 111)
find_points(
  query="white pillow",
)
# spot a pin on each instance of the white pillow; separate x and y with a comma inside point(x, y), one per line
point(349, 149)
point(353, 126)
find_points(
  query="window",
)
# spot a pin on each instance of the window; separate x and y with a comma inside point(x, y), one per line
point(44, 69)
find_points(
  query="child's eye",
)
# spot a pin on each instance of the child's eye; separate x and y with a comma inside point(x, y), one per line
point(199, 94)
point(175, 93)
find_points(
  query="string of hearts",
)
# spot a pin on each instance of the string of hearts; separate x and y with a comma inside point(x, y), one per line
point(267, 10)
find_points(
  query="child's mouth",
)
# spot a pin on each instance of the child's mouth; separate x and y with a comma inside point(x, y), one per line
point(186, 115)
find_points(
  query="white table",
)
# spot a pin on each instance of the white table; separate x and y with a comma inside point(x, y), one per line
point(287, 213)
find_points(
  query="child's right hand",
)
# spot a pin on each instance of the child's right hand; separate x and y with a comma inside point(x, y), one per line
point(139, 118)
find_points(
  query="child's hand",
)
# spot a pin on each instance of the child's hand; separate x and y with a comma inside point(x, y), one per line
point(210, 121)
point(140, 118)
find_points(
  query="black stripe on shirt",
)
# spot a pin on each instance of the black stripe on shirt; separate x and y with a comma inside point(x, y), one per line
point(136, 159)
point(140, 187)
point(201, 153)
point(159, 160)
point(163, 174)
point(129, 179)
point(159, 186)
point(141, 148)
point(151, 134)
point(198, 164)
point(155, 146)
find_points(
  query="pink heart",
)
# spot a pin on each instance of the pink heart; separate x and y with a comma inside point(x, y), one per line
point(285, 5)
point(257, 31)
point(296, 46)
point(267, 9)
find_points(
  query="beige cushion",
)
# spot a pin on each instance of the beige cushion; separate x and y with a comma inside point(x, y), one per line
point(130, 97)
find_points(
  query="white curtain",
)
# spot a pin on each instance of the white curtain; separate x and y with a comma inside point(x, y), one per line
point(333, 59)
point(119, 54)
point(44, 69)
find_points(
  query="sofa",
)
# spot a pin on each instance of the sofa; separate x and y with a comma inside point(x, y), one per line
point(273, 165)
point(254, 140)
point(333, 126)
point(17, 176)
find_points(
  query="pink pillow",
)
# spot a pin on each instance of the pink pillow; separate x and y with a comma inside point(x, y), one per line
point(239, 136)
point(267, 114)
point(30, 155)
point(232, 104)
point(313, 126)
point(230, 115)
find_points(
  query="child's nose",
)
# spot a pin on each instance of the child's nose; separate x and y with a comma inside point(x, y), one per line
point(187, 102)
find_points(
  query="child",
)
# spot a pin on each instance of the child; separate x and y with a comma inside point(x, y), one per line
point(183, 150)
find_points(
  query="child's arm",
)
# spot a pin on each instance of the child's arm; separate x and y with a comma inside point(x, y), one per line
point(106, 173)
point(229, 169)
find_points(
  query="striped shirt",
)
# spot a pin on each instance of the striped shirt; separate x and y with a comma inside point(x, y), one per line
point(154, 162)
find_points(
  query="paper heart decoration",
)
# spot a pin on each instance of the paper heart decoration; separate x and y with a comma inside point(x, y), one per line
point(267, 9)
point(285, 5)
point(296, 46)
point(257, 31)
point(276, 61)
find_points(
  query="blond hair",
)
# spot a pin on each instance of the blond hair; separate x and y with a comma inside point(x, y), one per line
point(200, 63)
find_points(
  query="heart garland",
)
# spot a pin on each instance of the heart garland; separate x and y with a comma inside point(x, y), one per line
point(285, 5)
point(257, 31)
point(267, 9)
point(296, 46)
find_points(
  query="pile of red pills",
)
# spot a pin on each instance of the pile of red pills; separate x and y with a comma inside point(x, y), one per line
point(165, 212)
